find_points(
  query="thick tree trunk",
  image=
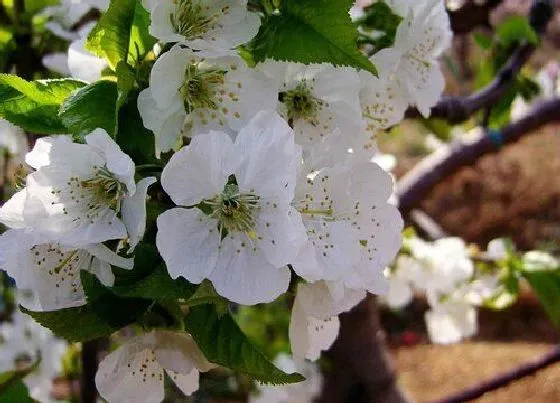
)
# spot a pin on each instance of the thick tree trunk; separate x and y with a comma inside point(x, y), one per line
point(360, 370)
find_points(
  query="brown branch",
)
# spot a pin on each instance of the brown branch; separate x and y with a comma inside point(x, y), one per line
point(417, 184)
point(360, 370)
point(89, 356)
point(472, 15)
point(459, 109)
point(506, 378)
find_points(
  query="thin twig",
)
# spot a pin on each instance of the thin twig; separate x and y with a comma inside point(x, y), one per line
point(459, 109)
point(416, 185)
point(504, 379)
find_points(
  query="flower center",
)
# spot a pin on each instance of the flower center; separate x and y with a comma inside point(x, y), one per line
point(300, 102)
point(189, 19)
point(104, 189)
point(200, 87)
point(234, 210)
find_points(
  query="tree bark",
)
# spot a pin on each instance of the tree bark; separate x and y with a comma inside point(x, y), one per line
point(361, 370)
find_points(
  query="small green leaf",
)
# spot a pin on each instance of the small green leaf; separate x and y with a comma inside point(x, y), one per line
point(123, 28)
point(313, 31)
point(516, 29)
point(91, 107)
point(34, 105)
point(222, 342)
point(546, 284)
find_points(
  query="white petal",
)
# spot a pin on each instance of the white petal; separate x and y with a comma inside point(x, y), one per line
point(134, 212)
point(188, 383)
point(188, 242)
point(168, 75)
point(199, 170)
point(243, 275)
point(178, 352)
point(451, 324)
point(11, 213)
point(121, 377)
point(161, 26)
point(281, 234)
point(309, 336)
point(319, 301)
point(105, 254)
point(166, 123)
point(271, 166)
point(117, 161)
point(400, 293)
point(82, 64)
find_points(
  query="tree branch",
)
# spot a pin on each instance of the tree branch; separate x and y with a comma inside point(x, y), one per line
point(361, 371)
point(89, 356)
point(459, 109)
point(472, 15)
point(504, 379)
point(416, 184)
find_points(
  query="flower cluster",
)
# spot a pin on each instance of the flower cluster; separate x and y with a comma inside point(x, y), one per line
point(457, 279)
point(267, 184)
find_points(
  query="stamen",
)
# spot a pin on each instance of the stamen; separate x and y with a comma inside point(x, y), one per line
point(200, 88)
point(235, 210)
point(190, 21)
point(300, 102)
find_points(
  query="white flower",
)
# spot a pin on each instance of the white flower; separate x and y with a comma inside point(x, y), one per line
point(52, 271)
point(497, 249)
point(450, 322)
point(23, 338)
point(192, 93)
point(536, 260)
point(64, 16)
point(203, 24)
point(242, 193)
point(316, 100)
point(314, 324)
point(353, 231)
point(412, 62)
point(301, 392)
point(439, 266)
point(135, 371)
point(77, 191)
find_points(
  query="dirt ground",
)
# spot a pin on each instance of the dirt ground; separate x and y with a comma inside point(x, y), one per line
point(429, 372)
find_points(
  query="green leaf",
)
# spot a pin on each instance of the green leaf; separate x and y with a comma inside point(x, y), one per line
point(123, 28)
point(141, 42)
point(312, 31)
point(157, 285)
point(516, 29)
point(34, 105)
point(546, 284)
point(91, 107)
point(15, 392)
point(222, 342)
point(104, 314)
point(134, 139)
